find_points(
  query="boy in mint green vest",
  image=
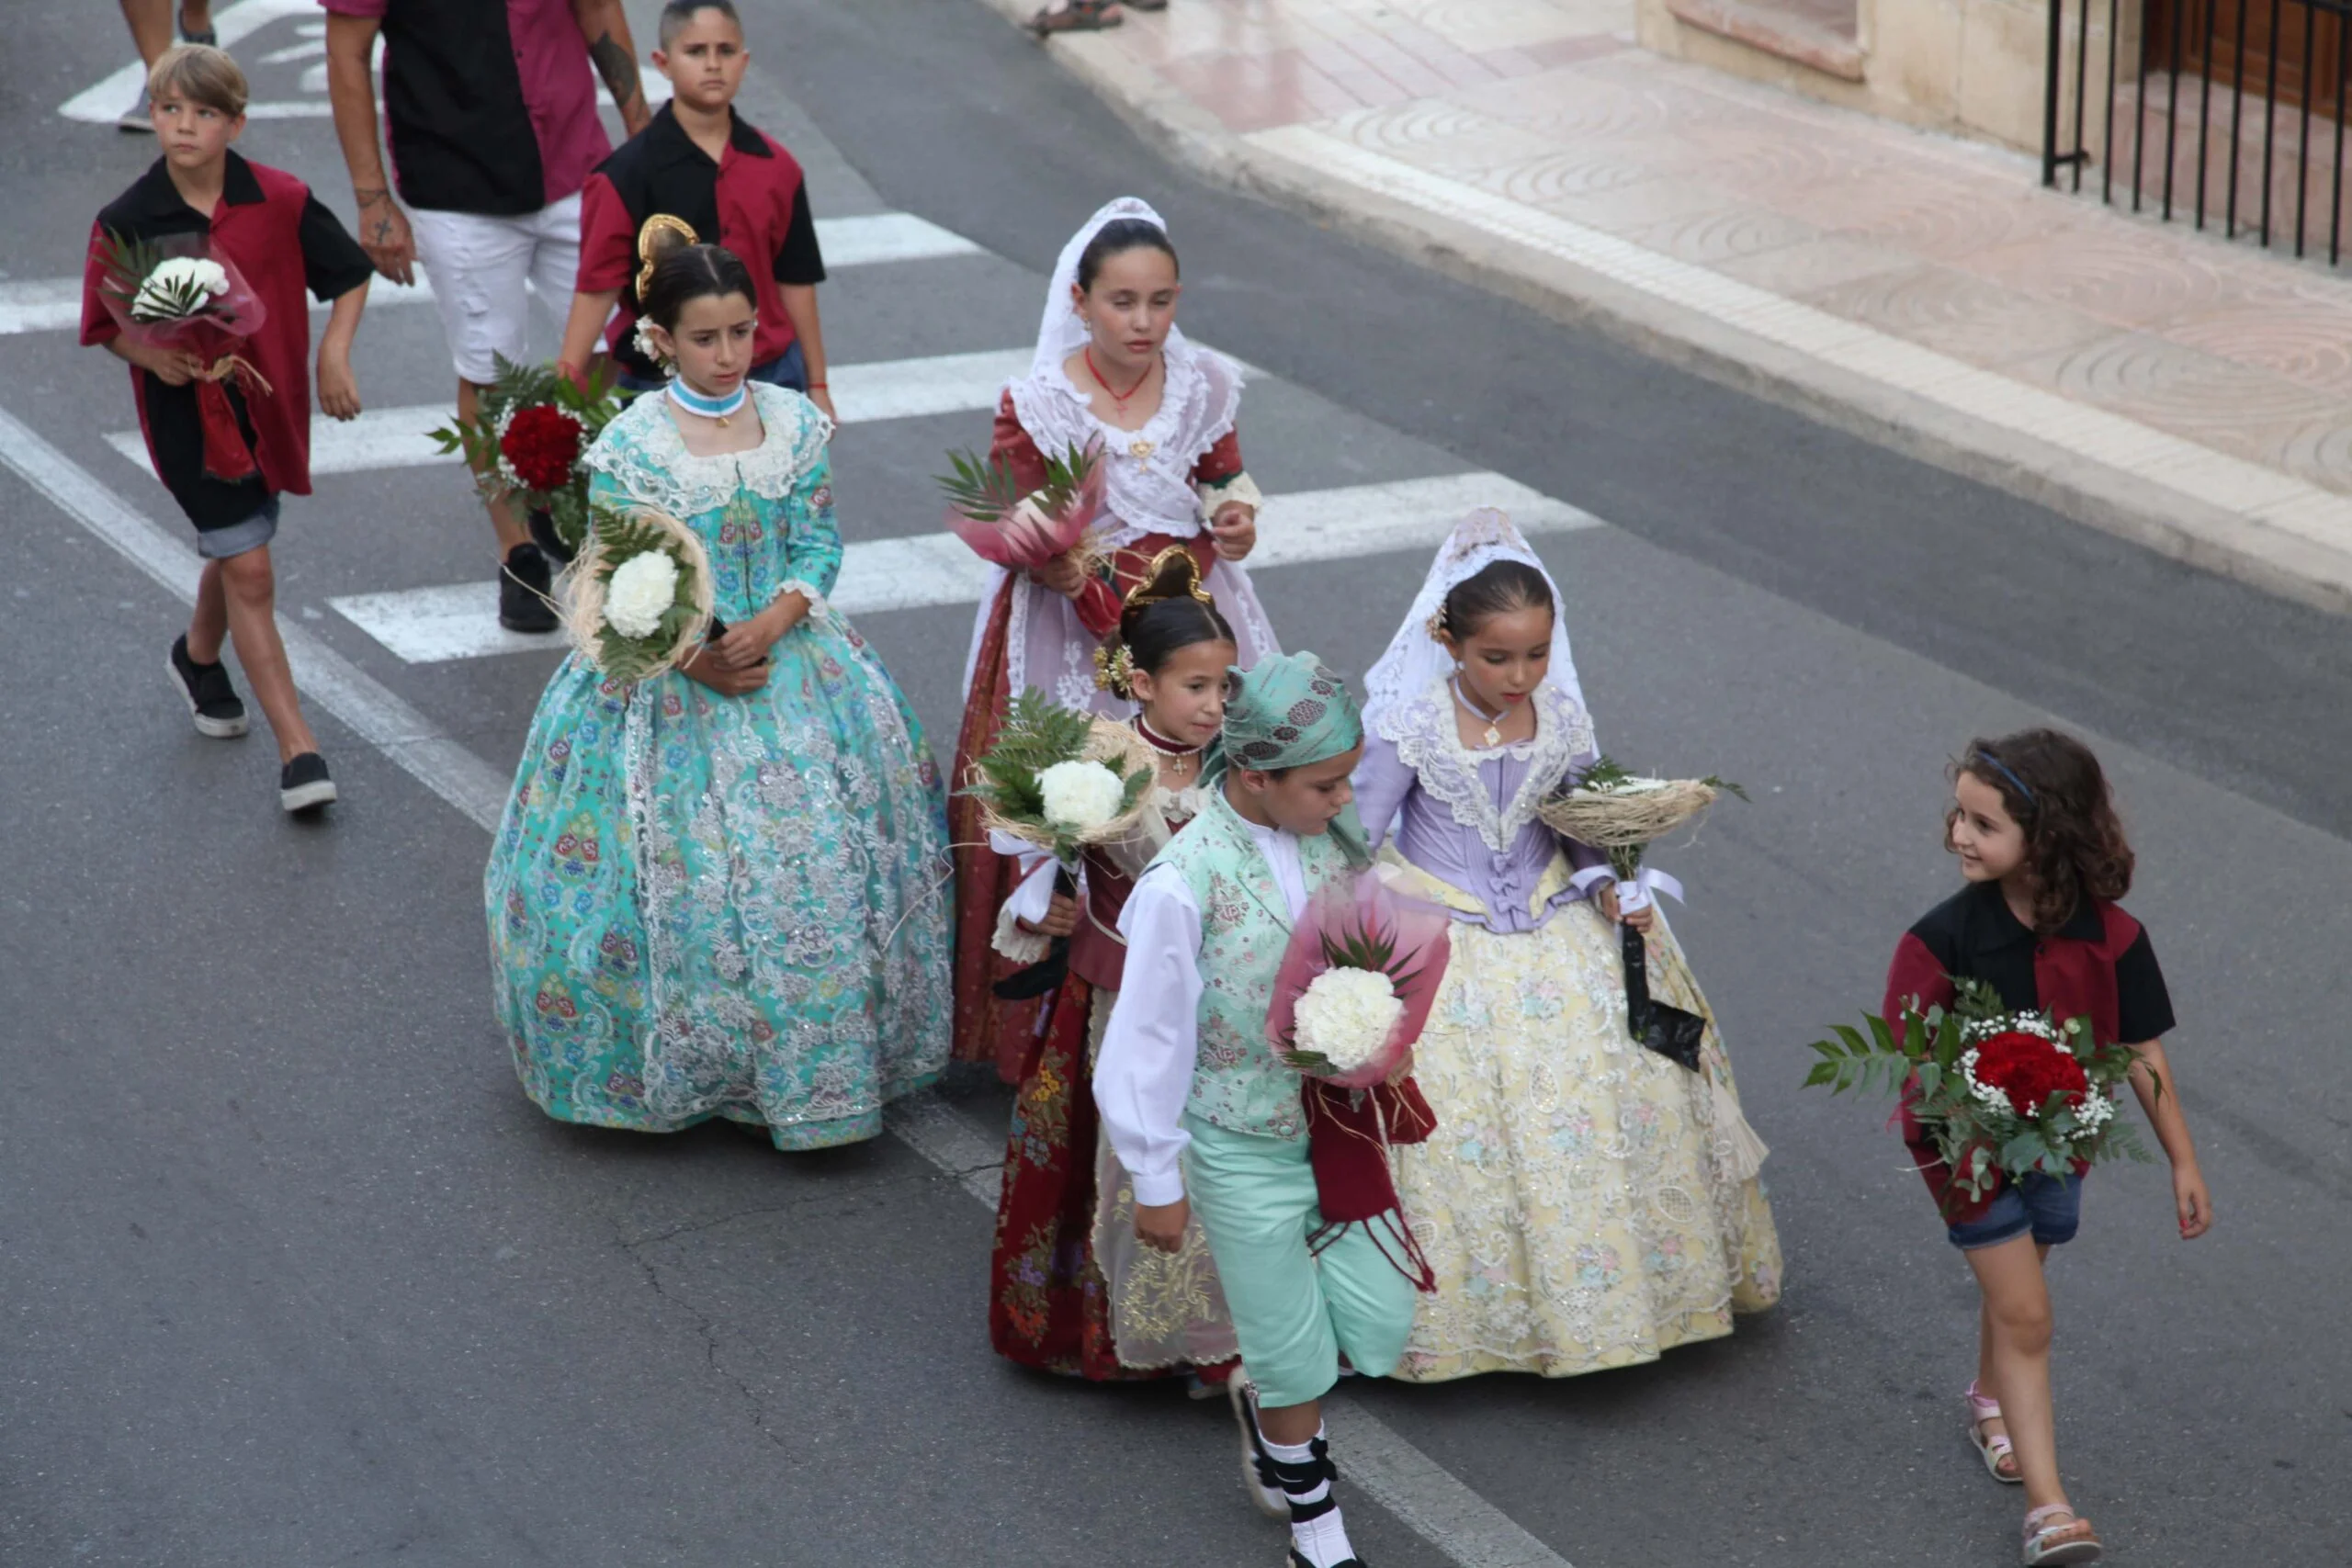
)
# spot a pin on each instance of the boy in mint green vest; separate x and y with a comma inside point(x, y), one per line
point(1203, 1114)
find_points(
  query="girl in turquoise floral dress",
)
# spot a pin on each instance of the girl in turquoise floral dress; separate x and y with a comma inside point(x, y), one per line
point(714, 892)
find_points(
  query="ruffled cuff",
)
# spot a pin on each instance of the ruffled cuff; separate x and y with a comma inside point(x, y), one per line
point(1240, 487)
point(818, 608)
point(1033, 900)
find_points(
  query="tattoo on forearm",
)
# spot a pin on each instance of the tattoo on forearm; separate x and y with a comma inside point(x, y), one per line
point(370, 194)
point(618, 67)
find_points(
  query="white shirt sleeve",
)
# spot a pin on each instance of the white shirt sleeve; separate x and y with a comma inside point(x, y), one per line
point(1031, 902)
point(1144, 1074)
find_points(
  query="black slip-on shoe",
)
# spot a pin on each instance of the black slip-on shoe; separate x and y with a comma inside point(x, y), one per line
point(212, 702)
point(304, 784)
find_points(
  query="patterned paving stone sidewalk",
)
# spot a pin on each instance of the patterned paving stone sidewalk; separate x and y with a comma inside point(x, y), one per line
point(2188, 391)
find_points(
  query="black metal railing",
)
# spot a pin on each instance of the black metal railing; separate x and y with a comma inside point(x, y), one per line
point(2271, 152)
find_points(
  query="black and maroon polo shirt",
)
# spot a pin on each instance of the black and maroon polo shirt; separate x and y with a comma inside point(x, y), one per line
point(753, 201)
point(2100, 965)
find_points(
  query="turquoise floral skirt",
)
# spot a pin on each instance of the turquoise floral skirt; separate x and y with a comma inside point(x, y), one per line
point(708, 905)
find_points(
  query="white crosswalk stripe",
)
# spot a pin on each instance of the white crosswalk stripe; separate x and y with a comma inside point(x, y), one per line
point(54, 304)
point(890, 389)
point(428, 625)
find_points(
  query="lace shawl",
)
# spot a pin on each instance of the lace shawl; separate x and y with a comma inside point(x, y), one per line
point(1152, 493)
point(643, 453)
point(1429, 740)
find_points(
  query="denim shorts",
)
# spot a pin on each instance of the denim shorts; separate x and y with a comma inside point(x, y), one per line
point(2049, 1206)
point(236, 538)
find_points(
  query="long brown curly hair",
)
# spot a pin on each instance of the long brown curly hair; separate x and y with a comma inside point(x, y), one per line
point(2052, 787)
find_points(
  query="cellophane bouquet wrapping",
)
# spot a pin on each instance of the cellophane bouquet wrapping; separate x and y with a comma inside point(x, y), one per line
point(179, 295)
point(988, 509)
point(2001, 1092)
point(1357, 981)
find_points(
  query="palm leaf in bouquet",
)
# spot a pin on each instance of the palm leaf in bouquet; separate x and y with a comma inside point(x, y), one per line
point(1062, 778)
point(1008, 527)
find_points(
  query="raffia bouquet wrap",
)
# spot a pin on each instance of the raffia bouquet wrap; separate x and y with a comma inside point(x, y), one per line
point(640, 594)
point(1622, 814)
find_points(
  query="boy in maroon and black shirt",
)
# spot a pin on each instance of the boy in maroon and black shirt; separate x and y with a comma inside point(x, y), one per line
point(266, 225)
point(702, 162)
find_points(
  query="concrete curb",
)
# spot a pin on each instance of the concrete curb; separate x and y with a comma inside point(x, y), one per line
point(2115, 501)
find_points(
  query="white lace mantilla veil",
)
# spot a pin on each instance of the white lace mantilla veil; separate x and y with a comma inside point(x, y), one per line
point(1415, 660)
point(1046, 643)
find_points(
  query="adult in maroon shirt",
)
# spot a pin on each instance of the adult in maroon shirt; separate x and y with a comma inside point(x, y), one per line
point(490, 112)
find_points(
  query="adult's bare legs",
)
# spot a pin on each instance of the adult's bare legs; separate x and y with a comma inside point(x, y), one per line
point(511, 532)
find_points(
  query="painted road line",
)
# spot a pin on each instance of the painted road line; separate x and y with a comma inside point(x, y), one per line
point(432, 625)
point(893, 388)
point(1429, 1500)
point(371, 712)
point(99, 103)
point(54, 304)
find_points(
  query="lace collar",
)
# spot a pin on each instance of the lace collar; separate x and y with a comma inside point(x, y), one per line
point(1152, 493)
point(643, 453)
point(1429, 740)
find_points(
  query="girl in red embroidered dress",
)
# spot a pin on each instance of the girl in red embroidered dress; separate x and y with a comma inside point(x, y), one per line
point(1069, 1290)
point(1110, 363)
point(2044, 854)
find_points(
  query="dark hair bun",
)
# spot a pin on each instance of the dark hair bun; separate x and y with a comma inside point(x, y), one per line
point(1116, 238)
point(1166, 615)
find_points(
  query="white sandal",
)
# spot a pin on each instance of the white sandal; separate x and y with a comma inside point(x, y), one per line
point(2040, 1551)
point(1992, 1450)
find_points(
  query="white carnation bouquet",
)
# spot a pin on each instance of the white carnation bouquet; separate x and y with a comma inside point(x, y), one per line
point(640, 594)
point(1357, 982)
point(1061, 779)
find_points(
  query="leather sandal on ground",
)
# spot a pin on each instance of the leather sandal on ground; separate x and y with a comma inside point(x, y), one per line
point(1999, 1455)
point(2054, 1533)
point(1078, 16)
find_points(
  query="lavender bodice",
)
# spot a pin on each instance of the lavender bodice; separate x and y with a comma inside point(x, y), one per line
point(1430, 835)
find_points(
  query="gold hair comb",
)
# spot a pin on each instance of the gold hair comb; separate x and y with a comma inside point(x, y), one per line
point(649, 249)
point(1141, 592)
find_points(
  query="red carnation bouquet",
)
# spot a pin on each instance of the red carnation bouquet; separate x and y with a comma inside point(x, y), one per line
point(532, 428)
point(1353, 996)
point(1999, 1092)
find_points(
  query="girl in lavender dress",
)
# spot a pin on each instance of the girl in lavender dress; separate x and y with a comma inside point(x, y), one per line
point(1584, 1200)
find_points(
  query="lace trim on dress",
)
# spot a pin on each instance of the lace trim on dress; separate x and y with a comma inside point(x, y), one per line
point(643, 453)
point(1429, 740)
point(1153, 495)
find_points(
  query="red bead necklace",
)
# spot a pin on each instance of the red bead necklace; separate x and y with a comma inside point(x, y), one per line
point(1118, 398)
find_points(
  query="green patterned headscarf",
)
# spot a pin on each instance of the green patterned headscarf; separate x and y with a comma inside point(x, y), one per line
point(1289, 712)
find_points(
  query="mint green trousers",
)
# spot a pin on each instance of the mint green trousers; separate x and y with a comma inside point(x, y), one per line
point(1295, 1312)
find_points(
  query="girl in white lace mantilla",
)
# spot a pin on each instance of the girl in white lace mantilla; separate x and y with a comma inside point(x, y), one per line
point(1070, 1289)
point(1111, 365)
point(1581, 1200)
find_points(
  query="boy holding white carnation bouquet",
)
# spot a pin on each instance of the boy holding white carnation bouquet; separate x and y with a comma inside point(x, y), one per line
point(194, 277)
point(1209, 1119)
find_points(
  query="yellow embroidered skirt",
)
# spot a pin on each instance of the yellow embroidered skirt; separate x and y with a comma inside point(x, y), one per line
point(1579, 1201)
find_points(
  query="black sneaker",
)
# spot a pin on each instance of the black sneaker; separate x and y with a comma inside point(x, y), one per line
point(211, 700)
point(526, 589)
point(304, 784)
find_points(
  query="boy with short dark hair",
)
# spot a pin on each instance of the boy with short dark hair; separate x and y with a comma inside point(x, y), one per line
point(203, 199)
point(733, 185)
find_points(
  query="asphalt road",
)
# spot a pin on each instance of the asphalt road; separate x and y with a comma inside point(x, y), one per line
point(293, 1275)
